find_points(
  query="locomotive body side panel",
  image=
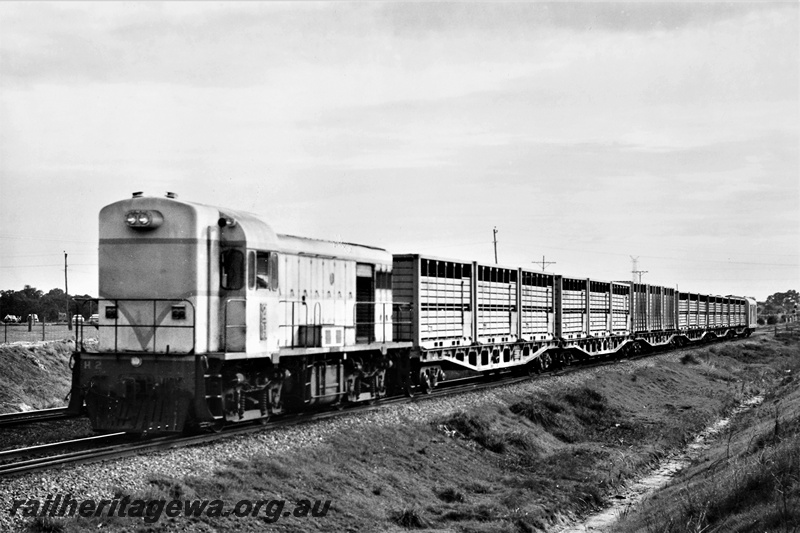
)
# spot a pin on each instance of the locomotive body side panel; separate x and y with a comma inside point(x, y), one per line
point(334, 294)
point(316, 291)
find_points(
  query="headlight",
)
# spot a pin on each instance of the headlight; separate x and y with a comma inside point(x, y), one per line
point(136, 362)
point(143, 219)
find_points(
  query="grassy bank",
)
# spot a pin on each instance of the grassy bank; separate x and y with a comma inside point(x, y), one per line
point(528, 464)
point(34, 375)
point(750, 478)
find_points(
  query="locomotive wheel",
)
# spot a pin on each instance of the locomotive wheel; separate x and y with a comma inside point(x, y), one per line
point(425, 382)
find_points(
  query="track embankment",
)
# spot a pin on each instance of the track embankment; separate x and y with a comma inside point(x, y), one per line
point(34, 375)
point(533, 456)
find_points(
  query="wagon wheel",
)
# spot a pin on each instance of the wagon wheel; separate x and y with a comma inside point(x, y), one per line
point(637, 349)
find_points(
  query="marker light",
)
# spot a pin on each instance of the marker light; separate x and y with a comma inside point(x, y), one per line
point(143, 219)
point(136, 362)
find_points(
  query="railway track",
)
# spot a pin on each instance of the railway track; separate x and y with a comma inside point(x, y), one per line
point(29, 454)
point(124, 447)
point(27, 417)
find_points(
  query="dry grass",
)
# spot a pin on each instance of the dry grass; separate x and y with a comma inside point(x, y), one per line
point(527, 465)
point(34, 376)
point(749, 481)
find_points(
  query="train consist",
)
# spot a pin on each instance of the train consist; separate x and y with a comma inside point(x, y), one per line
point(208, 317)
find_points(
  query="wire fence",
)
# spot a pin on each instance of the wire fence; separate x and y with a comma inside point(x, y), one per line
point(41, 332)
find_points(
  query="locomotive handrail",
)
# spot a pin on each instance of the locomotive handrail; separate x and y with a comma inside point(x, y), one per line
point(290, 326)
point(79, 331)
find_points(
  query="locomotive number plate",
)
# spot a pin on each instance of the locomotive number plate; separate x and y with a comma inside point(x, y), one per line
point(263, 323)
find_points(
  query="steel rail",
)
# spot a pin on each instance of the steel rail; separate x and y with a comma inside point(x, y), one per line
point(55, 446)
point(41, 415)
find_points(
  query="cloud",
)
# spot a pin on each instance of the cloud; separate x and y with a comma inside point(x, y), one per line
point(508, 17)
point(622, 128)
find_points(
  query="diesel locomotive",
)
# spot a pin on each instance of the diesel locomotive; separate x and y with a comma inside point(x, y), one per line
point(207, 317)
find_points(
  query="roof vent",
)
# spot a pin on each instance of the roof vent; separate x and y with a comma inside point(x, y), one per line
point(171, 195)
point(138, 194)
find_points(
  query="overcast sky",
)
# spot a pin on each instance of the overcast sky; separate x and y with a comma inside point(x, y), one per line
point(585, 132)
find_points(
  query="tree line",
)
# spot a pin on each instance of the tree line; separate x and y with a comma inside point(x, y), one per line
point(778, 307)
point(49, 307)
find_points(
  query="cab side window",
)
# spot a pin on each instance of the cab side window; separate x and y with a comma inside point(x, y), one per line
point(263, 271)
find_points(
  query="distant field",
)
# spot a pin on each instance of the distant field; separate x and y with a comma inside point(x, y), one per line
point(40, 332)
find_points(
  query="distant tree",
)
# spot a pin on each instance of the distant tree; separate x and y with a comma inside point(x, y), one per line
point(779, 305)
point(52, 303)
point(21, 303)
point(781, 302)
point(31, 300)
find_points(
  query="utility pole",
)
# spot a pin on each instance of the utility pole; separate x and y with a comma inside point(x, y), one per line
point(66, 291)
point(635, 271)
point(544, 263)
point(494, 236)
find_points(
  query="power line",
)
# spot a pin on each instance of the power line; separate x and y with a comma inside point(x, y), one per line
point(47, 266)
point(48, 254)
point(29, 238)
point(681, 259)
